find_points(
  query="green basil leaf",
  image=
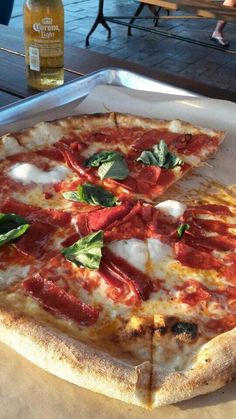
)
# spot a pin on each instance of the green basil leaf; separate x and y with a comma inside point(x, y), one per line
point(12, 226)
point(181, 229)
point(93, 195)
point(102, 157)
point(111, 165)
point(172, 161)
point(160, 156)
point(73, 196)
point(116, 169)
point(86, 251)
point(161, 151)
point(148, 158)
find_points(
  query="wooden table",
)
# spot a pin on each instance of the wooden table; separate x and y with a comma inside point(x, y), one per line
point(79, 62)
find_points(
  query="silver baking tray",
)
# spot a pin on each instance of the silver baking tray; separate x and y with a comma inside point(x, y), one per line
point(77, 90)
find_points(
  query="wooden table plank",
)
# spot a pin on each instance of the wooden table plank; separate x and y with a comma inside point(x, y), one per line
point(202, 8)
point(12, 75)
point(7, 99)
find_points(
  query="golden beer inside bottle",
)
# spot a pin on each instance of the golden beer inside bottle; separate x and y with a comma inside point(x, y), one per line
point(44, 43)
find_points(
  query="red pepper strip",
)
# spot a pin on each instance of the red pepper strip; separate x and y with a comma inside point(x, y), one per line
point(70, 240)
point(129, 184)
point(82, 224)
point(34, 241)
point(109, 275)
point(132, 216)
point(229, 267)
point(198, 293)
point(149, 174)
point(215, 226)
point(72, 159)
point(138, 281)
point(36, 214)
point(57, 300)
point(103, 218)
point(51, 153)
point(221, 243)
point(193, 258)
point(206, 209)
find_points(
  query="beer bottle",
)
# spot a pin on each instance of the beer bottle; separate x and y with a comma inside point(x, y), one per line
point(44, 43)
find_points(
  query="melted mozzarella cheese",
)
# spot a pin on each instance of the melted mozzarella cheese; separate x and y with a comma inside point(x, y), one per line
point(27, 173)
point(12, 274)
point(147, 256)
point(133, 251)
point(158, 252)
point(171, 207)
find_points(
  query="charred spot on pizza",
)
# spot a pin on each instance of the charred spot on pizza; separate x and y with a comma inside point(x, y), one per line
point(160, 331)
point(137, 326)
point(185, 331)
point(160, 325)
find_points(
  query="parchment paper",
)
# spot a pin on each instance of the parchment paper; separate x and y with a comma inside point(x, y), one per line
point(27, 392)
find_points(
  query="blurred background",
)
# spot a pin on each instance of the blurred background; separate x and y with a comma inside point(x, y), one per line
point(212, 66)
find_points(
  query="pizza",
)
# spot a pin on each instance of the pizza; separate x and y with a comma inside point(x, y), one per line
point(102, 281)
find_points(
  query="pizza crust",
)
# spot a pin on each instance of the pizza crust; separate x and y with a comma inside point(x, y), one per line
point(47, 133)
point(214, 367)
point(176, 125)
point(98, 371)
point(75, 361)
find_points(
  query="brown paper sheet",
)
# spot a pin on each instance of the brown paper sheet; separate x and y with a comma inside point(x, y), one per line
point(26, 391)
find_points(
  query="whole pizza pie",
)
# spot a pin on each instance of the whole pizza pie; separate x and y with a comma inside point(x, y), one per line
point(103, 281)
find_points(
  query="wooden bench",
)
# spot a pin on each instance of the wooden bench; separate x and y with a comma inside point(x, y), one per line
point(197, 9)
point(213, 9)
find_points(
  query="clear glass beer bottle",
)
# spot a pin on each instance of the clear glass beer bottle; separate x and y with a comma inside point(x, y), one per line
point(44, 43)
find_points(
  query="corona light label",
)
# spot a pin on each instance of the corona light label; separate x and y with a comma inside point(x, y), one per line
point(46, 28)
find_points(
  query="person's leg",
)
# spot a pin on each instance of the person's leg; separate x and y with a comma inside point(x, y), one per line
point(6, 7)
point(218, 35)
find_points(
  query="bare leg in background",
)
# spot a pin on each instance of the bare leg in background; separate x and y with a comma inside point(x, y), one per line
point(218, 35)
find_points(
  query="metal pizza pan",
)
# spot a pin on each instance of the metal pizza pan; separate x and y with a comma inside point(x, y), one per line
point(77, 90)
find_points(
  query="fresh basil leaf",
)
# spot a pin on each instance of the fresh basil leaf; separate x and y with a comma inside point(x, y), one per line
point(10, 221)
point(181, 229)
point(12, 226)
point(172, 161)
point(93, 195)
point(86, 251)
point(148, 158)
point(160, 156)
point(72, 196)
point(102, 157)
point(111, 165)
point(161, 151)
point(116, 169)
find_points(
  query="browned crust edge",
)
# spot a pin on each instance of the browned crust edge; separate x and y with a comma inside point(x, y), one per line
point(75, 361)
point(214, 367)
point(46, 133)
point(175, 125)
